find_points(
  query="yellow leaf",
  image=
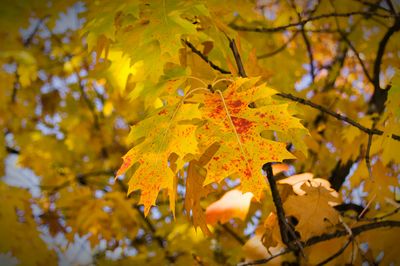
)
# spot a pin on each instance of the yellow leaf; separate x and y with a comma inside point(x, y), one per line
point(18, 229)
point(194, 192)
point(163, 135)
point(237, 128)
point(313, 211)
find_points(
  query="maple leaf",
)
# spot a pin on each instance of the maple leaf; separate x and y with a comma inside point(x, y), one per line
point(313, 210)
point(164, 133)
point(380, 186)
point(237, 127)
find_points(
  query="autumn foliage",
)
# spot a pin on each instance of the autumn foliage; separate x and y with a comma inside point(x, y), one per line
point(200, 132)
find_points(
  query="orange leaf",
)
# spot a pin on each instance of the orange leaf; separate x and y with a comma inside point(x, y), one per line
point(233, 204)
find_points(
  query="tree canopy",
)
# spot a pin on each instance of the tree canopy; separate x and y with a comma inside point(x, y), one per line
point(200, 132)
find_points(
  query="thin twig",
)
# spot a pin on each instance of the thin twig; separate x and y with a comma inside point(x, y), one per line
point(306, 40)
point(16, 86)
point(35, 30)
point(372, 5)
point(380, 218)
point(280, 49)
point(162, 243)
point(80, 178)
point(337, 254)
point(266, 260)
point(309, 52)
point(233, 234)
point(357, 54)
point(367, 206)
point(88, 102)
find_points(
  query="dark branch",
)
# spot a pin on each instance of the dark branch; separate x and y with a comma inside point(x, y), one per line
point(337, 254)
point(280, 49)
point(357, 54)
point(372, 5)
point(356, 231)
point(309, 52)
point(233, 234)
point(339, 174)
point(79, 178)
point(379, 97)
point(283, 227)
point(325, 237)
point(391, 7)
point(205, 58)
point(88, 102)
point(303, 22)
point(12, 150)
point(29, 39)
point(335, 115)
point(16, 86)
point(367, 155)
point(349, 206)
point(82, 177)
point(238, 60)
point(162, 243)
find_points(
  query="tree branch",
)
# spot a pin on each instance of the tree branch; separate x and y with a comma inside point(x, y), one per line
point(379, 97)
point(349, 206)
point(339, 173)
point(205, 58)
point(12, 150)
point(35, 30)
point(356, 53)
point(337, 254)
point(356, 231)
point(16, 86)
point(372, 5)
point(303, 22)
point(367, 155)
point(233, 234)
point(283, 226)
point(238, 60)
point(87, 101)
point(309, 52)
point(280, 49)
point(325, 237)
point(335, 115)
point(391, 7)
point(162, 243)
